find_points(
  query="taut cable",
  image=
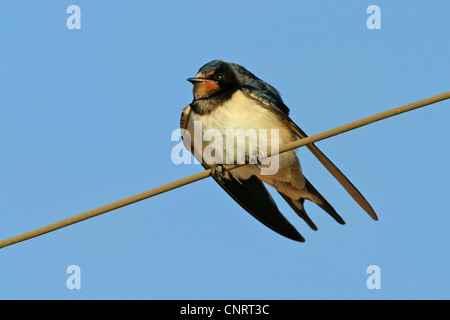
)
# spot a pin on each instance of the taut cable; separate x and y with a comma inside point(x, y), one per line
point(204, 174)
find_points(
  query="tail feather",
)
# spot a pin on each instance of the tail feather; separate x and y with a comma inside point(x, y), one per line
point(297, 206)
point(317, 198)
point(324, 204)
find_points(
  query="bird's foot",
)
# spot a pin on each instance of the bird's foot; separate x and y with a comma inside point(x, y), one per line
point(253, 158)
point(218, 170)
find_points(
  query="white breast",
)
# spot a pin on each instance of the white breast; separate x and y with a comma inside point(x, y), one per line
point(240, 118)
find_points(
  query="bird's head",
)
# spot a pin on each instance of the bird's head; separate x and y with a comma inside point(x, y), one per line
point(216, 77)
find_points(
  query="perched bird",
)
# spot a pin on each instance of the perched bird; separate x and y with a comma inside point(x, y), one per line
point(229, 97)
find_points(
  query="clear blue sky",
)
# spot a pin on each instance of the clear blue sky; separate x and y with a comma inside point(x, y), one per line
point(86, 118)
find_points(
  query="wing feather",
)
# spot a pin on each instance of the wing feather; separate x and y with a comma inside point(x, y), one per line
point(253, 196)
point(335, 172)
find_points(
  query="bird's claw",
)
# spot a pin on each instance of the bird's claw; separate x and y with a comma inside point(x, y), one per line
point(217, 170)
point(254, 159)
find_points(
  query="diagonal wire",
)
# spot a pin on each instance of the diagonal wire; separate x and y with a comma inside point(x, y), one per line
point(204, 174)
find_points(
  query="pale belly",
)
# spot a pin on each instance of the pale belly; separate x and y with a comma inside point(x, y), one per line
point(242, 131)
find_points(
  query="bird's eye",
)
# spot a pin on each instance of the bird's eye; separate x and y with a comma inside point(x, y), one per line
point(218, 76)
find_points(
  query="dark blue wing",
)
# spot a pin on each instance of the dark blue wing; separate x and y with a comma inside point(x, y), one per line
point(253, 196)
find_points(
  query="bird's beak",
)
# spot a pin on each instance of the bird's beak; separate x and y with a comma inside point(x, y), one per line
point(196, 80)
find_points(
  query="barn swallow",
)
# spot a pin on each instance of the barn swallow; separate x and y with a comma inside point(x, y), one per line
point(228, 96)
